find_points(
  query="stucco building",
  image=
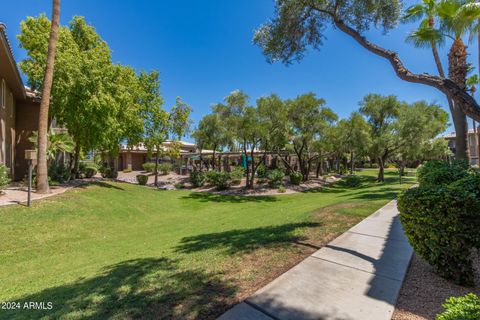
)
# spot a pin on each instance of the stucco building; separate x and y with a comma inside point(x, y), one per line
point(19, 109)
point(473, 140)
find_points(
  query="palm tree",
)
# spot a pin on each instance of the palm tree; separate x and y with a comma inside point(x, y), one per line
point(458, 18)
point(57, 142)
point(42, 167)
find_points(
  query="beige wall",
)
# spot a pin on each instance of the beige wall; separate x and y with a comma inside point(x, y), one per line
point(7, 126)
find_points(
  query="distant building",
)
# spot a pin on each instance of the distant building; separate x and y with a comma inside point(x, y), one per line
point(472, 145)
point(19, 110)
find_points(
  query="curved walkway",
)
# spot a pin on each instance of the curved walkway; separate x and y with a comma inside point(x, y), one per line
point(356, 276)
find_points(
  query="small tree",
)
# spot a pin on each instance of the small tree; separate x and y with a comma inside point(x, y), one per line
point(211, 133)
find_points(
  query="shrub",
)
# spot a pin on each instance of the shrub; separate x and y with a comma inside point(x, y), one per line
point(149, 166)
point(126, 170)
point(374, 166)
point(210, 177)
point(352, 181)
point(390, 165)
point(461, 308)
point(441, 223)
point(179, 185)
point(220, 180)
point(59, 172)
point(237, 174)
point(110, 173)
point(164, 168)
point(197, 179)
point(282, 189)
point(262, 171)
point(439, 173)
point(4, 177)
point(295, 178)
point(275, 178)
point(90, 172)
point(142, 179)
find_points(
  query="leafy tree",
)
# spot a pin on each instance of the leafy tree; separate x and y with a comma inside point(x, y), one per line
point(57, 142)
point(356, 137)
point(211, 134)
point(299, 25)
point(307, 120)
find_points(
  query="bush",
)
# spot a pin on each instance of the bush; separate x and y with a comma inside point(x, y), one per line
point(261, 171)
point(237, 174)
point(4, 177)
point(295, 178)
point(149, 166)
point(164, 168)
point(374, 166)
point(461, 308)
point(142, 179)
point(442, 223)
point(282, 189)
point(275, 178)
point(90, 172)
point(352, 181)
point(439, 173)
point(220, 180)
point(179, 185)
point(126, 170)
point(110, 173)
point(59, 172)
point(390, 165)
point(197, 179)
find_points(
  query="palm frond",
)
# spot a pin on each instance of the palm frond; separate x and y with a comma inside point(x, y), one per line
point(425, 37)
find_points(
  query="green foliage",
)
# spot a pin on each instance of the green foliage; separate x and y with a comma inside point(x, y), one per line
point(441, 219)
point(164, 168)
point(461, 308)
point(57, 142)
point(439, 173)
point(90, 171)
point(4, 177)
point(352, 181)
point(282, 189)
point(149, 166)
point(179, 185)
point(220, 180)
point(261, 171)
point(142, 179)
point(237, 175)
point(109, 173)
point(275, 178)
point(197, 178)
point(296, 178)
point(127, 170)
point(59, 172)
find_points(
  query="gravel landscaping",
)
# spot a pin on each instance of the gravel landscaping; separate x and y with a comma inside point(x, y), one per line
point(424, 292)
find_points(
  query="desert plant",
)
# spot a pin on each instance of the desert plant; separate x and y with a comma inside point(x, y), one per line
point(142, 179)
point(275, 178)
point(127, 170)
point(282, 189)
point(197, 179)
point(461, 308)
point(220, 180)
point(59, 172)
point(149, 166)
point(296, 178)
point(262, 171)
point(164, 168)
point(237, 174)
point(4, 177)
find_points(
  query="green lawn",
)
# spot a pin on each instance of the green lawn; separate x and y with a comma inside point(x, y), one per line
point(114, 250)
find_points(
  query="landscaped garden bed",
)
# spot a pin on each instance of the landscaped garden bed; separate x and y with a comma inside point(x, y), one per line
point(117, 250)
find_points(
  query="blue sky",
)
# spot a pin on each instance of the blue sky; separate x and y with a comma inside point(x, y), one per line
point(204, 50)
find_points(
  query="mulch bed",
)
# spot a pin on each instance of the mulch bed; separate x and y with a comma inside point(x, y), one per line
point(424, 292)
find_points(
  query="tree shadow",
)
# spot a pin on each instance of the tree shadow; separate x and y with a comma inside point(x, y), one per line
point(148, 288)
point(386, 193)
point(101, 184)
point(234, 241)
point(214, 197)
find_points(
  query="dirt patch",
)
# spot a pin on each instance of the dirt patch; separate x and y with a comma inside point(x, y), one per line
point(423, 292)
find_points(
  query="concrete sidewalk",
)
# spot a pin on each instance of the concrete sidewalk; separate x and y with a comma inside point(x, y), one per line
point(356, 276)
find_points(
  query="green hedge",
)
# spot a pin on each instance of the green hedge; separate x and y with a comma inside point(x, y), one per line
point(441, 219)
point(296, 178)
point(142, 179)
point(148, 166)
point(275, 178)
point(197, 179)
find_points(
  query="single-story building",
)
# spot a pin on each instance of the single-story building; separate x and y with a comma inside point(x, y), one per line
point(19, 110)
point(473, 141)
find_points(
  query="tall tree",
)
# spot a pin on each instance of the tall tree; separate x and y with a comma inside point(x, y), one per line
point(211, 134)
point(42, 167)
point(356, 137)
point(299, 25)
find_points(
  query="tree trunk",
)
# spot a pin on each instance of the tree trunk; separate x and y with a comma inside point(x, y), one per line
point(156, 167)
point(213, 160)
point(42, 169)
point(457, 72)
point(352, 163)
point(76, 162)
point(381, 170)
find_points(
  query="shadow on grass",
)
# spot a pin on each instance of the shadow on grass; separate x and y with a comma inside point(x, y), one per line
point(242, 240)
point(101, 184)
point(214, 197)
point(146, 288)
